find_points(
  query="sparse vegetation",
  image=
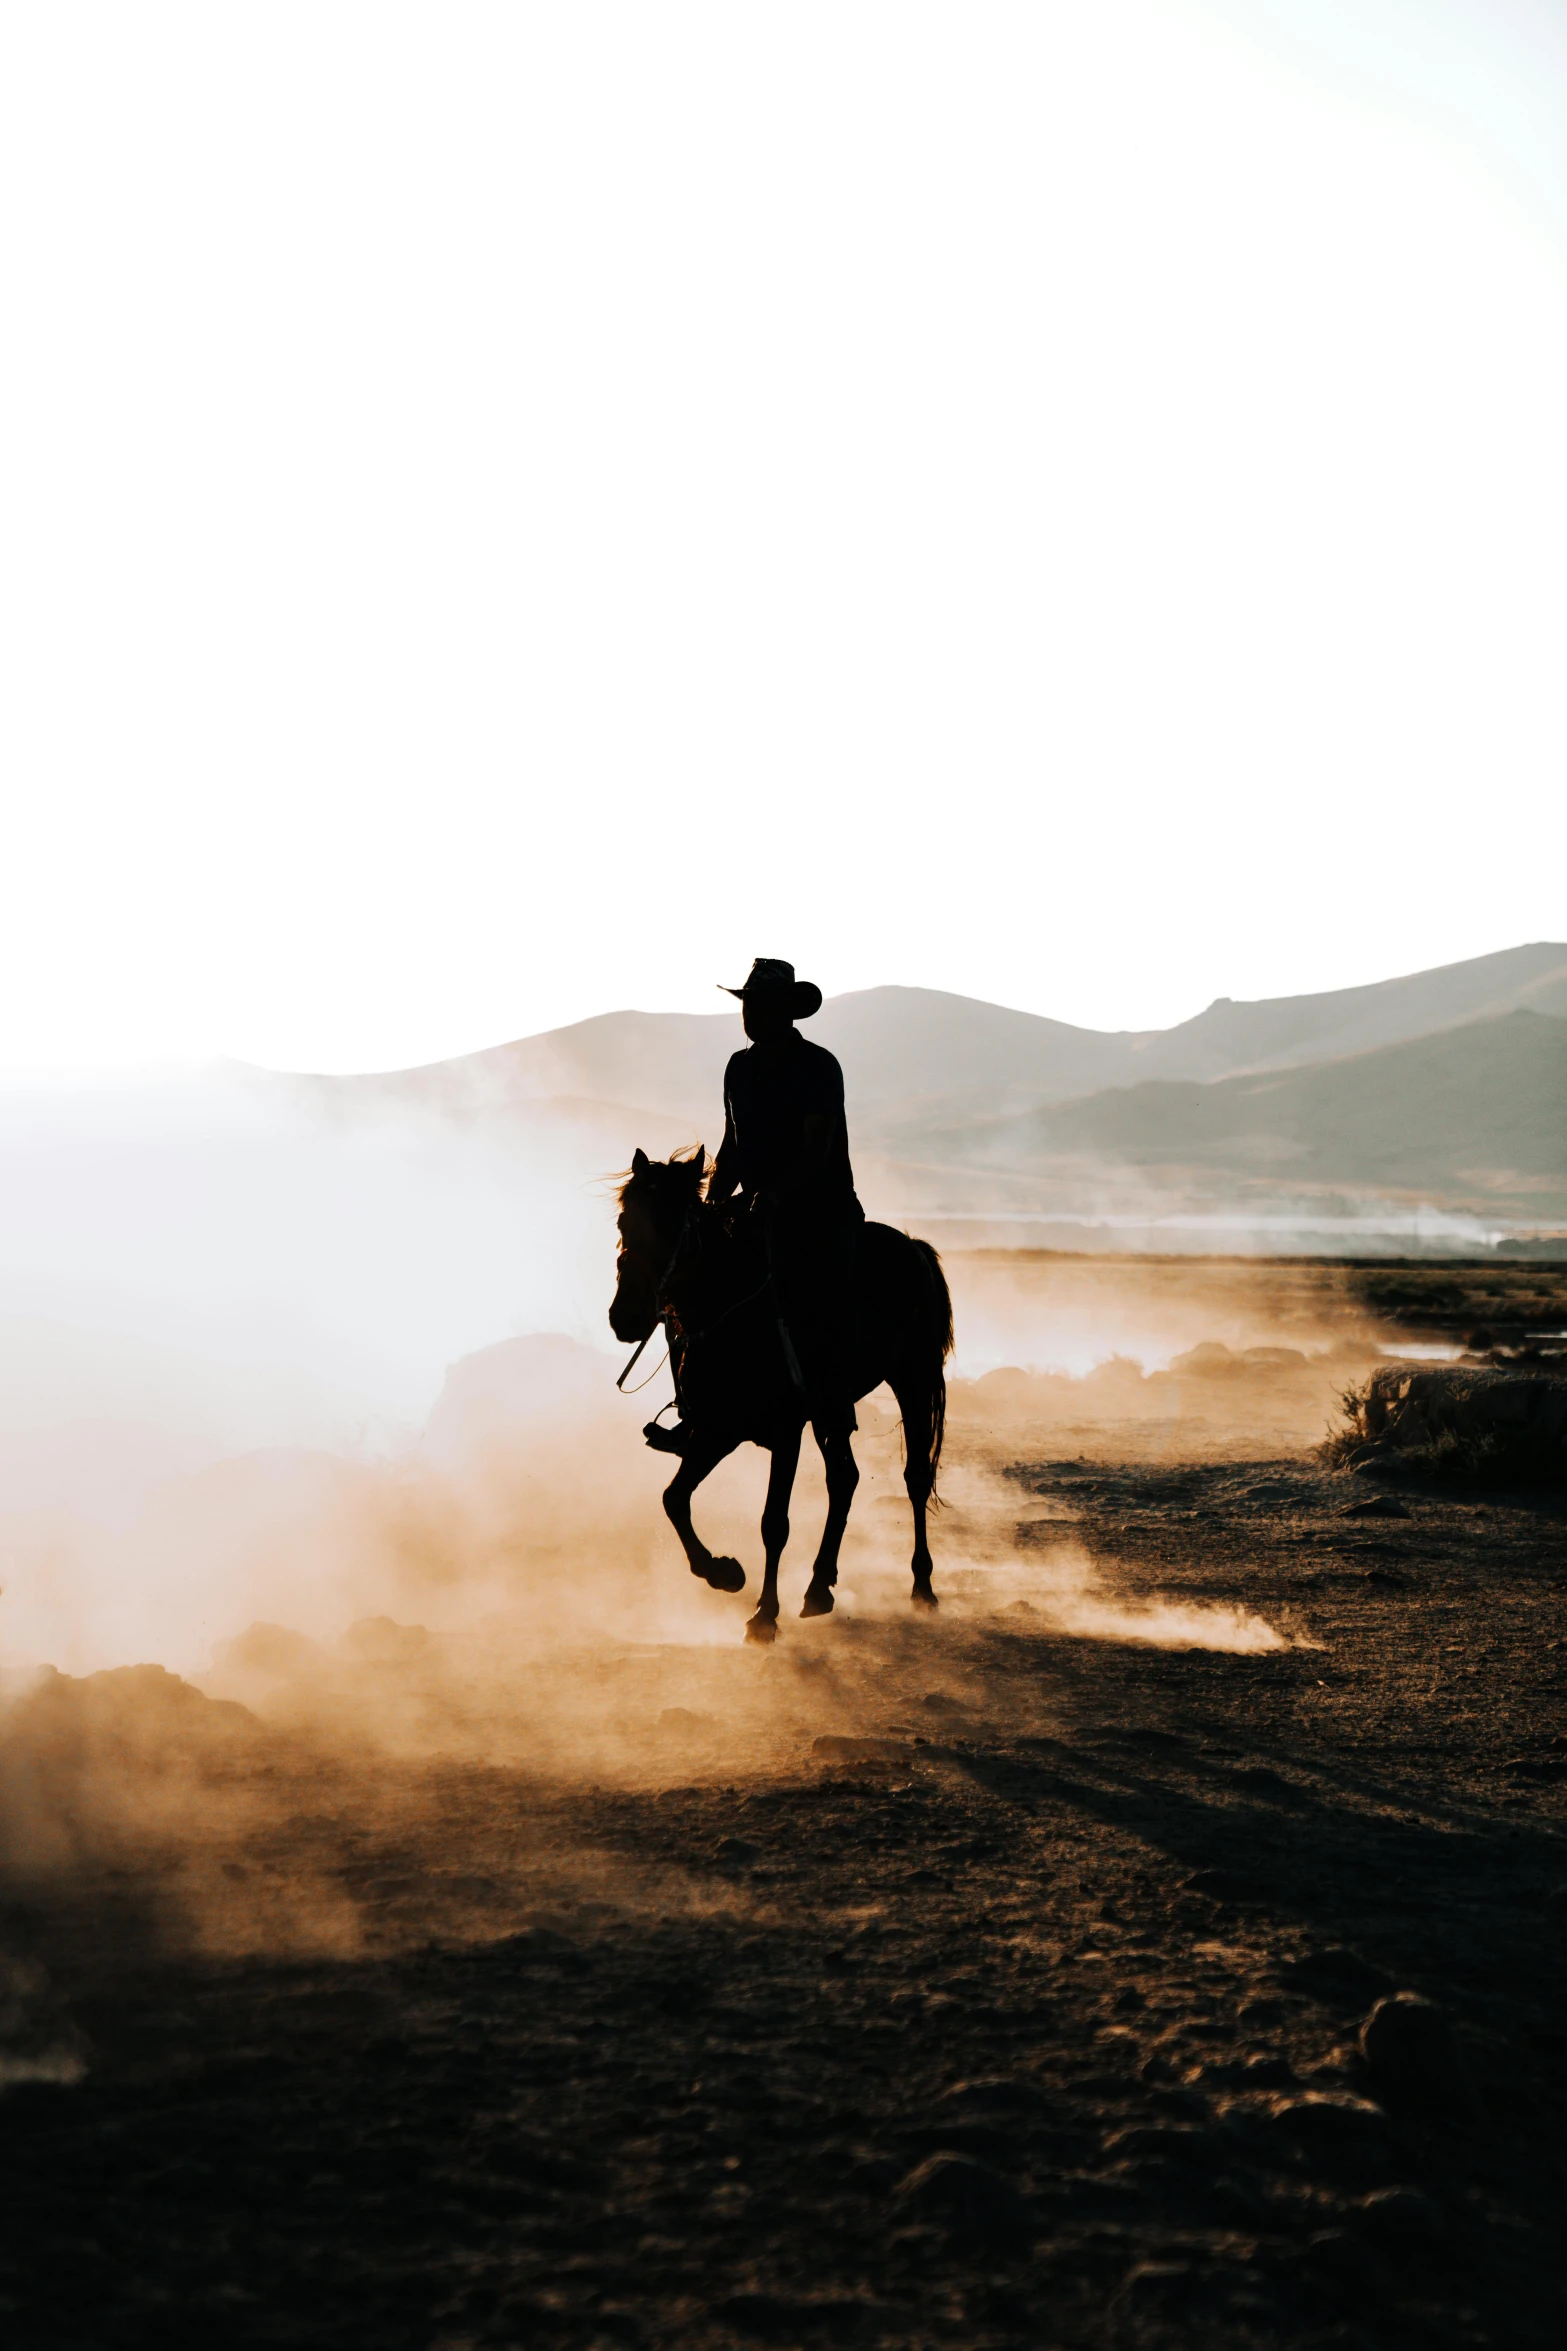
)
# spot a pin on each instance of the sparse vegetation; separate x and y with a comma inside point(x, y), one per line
point(1452, 1421)
point(1340, 1446)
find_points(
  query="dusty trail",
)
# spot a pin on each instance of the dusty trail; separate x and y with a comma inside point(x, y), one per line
point(1003, 1990)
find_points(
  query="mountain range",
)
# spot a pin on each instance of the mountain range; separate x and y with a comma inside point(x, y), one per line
point(1444, 1088)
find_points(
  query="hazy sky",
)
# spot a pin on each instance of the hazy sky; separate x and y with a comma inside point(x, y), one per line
point(507, 510)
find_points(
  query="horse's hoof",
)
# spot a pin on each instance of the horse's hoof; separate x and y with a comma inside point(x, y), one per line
point(818, 1600)
point(762, 1628)
point(923, 1597)
point(725, 1575)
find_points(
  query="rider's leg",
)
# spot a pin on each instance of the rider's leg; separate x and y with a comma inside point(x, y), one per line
point(654, 1433)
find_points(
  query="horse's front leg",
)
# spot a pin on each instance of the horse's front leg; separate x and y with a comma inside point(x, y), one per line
point(842, 1477)
point(775, 1532)
point(702, 1455)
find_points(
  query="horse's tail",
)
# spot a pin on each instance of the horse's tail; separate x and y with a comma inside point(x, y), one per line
point(936, 1337)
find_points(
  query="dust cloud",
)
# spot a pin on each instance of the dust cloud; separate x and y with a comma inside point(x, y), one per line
point(317, 1498)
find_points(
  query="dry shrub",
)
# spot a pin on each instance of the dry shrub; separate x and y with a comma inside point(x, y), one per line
point(1458, 1422)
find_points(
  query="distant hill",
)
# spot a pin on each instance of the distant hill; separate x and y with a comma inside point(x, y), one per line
point(920, 1055)
point(1474, 1115)
point(1444, 1086)
point(1282, 1032)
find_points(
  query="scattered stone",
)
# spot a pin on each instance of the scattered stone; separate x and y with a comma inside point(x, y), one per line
point(784, 2318)
point(1333, 2130)
point(736, 1850)
point(1260, 2071)
point(972, 2202)
point(1166, 2301)
point(834, 1749)
point(1401, 2220)
point(1377, 1506)
point(993, 2094)
point(1336, 1973)
point(1225, 1885)
point(1175, 2142)
point(534, 1945)
point(1337, 2264)
point(1410, 2051)
point(1259, 1779)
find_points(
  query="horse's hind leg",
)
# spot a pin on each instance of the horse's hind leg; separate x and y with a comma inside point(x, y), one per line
point(702, 1455)
point(919, 1479)
point(842, 1477)
point(775, 1533)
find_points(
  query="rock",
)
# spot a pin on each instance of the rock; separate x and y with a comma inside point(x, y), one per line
point(1225, 1885)
point(1197, 2301)
point(1262, 2070)
point(1188, 2144)
point(1377, 1506)
point(1337, 2265)
point(736, 1851)
point(968, 2199)
point(1336, 1973)
point(996, 2094)
point(834, 1749)
point(783, 2318)
point(1401, 2220)
point(1332, 2130)
point(1410, 2051)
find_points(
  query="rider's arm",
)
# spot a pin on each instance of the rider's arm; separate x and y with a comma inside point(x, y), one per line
point(725, 1174)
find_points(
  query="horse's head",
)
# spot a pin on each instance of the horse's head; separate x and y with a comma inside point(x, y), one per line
point(656, 1200)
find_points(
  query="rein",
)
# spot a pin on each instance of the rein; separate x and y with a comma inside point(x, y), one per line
point(662, 1302)
point(632, 1364)
point(659, 1302)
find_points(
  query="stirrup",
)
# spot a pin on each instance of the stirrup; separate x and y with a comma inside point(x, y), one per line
point(664, 1440)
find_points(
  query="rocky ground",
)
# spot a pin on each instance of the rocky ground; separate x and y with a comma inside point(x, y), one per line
point(968, 1982)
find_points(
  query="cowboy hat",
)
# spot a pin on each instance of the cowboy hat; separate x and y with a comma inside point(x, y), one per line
point(769, 977)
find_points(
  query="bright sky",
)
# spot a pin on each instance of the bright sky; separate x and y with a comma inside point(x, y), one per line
point(510, 510)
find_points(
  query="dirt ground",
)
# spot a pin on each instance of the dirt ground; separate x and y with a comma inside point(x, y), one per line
point(990, 1980)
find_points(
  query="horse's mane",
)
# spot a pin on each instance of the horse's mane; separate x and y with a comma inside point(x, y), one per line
point(694, 1155)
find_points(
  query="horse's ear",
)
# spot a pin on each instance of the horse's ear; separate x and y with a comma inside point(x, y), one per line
point(640, 1163)
point(699, 1165)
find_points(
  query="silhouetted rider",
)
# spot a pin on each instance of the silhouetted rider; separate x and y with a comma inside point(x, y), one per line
point(786, 1149)
point(786, 1146)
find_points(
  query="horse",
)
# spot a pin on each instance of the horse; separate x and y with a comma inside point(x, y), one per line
point(682, 1263)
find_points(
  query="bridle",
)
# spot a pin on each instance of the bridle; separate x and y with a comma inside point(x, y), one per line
point(661, 1302)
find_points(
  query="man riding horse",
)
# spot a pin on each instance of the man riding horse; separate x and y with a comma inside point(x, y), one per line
point(783, 1306)
point(786, 1150)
